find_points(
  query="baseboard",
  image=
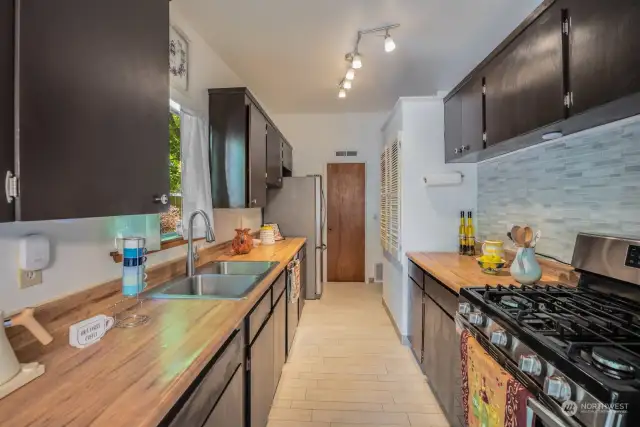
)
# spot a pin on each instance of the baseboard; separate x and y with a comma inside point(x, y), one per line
point(403, 338)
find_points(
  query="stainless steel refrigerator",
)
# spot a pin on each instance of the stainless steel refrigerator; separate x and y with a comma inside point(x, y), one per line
point(299, 209)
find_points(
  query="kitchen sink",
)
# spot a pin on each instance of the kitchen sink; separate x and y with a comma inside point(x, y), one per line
point(250, 268)
point(208, 286)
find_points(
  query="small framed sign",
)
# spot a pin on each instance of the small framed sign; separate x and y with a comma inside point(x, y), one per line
point(178, 59)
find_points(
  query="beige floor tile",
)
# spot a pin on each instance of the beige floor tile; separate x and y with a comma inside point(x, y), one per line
point(422, 398)
point(371, 385)
point(429, 420)
point(370, 396)
point(285, 403)
point(338, 406)
point(411, 408)
point(367, 418)
point(345, 377)
point(360, 425)
point(290, 393)
point(349, 369)
point(287, 382)
point(402, 377)
point(287, 414)
point(278, 423)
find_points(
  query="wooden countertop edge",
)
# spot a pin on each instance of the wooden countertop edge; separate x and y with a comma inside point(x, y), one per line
point(553, 272)
point(58, 315)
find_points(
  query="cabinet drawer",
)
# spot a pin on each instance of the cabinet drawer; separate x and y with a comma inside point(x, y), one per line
point(208, 388)
point(416, 274)
point(445, 298)
point(259, 314)
point(278, 287)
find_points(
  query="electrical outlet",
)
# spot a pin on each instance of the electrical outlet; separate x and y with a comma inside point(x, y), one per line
point(30, 278)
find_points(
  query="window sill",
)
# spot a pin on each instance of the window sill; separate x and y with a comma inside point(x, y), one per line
point(167, 244)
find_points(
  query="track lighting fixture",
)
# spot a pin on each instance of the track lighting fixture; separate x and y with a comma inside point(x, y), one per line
point(389, 44)
point(351, 73)
point(355, 59)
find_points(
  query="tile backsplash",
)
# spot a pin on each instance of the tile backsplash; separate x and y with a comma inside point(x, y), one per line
point(588, 182)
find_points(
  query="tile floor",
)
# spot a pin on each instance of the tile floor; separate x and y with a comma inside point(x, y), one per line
point(348, 368)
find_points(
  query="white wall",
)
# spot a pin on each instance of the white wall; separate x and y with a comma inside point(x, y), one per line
point(316, 138)
point(80, 248)
point(429, 216)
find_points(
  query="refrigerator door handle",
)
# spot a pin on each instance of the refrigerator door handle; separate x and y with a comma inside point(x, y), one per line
point(322, 247)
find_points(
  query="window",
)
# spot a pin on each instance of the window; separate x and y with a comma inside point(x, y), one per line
point(171, 221)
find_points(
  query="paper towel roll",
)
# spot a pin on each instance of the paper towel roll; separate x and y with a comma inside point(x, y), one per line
point(442, 179)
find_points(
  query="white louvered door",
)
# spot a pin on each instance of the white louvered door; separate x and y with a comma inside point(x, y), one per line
point(390, 201)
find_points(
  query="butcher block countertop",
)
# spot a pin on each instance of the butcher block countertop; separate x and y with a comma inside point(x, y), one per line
point(133, 377)
point(458, 271)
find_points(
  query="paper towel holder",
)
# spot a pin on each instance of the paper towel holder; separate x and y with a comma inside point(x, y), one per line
point(445, 178)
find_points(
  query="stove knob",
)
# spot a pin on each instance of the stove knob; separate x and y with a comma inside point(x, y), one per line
point(464, 308)
point(500, 338)
point(476, 318)
point(558, 388)
point(530, 364)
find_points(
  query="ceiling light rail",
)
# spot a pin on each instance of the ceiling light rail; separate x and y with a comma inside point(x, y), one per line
point(355, 59)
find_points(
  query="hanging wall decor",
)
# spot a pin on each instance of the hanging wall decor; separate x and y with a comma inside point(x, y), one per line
point(178, 59)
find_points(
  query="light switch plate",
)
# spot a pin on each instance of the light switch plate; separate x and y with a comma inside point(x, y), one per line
point(29, 278)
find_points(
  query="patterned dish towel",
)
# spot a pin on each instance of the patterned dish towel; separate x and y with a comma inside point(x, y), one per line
point(294, 273)
point(491, 397)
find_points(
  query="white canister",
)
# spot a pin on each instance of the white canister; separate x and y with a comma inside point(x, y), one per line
point(267, 235)
point(9, 365)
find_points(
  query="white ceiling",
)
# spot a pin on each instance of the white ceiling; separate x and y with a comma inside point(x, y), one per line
point(291, 52)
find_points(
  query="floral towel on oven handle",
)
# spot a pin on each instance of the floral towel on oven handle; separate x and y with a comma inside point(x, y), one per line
point(491, 397)
point(294, 272)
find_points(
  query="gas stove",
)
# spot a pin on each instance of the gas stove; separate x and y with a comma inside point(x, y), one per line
point(576, 348)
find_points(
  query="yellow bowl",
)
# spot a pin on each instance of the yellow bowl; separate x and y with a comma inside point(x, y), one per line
point(488, 267)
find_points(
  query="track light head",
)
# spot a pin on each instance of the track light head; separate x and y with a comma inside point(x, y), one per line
point(389, 44)
point(346, 84)
point(356, 61)
point(342, 93)
point(351, 73)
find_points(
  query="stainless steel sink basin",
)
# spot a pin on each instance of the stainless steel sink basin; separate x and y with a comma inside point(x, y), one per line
point(237, 267)
point(208, 286)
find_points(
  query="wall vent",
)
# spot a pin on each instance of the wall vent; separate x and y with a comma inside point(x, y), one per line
point(346, 153)
point(378, 272)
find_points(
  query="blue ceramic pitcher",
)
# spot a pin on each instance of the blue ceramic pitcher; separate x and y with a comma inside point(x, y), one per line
point(525, 268)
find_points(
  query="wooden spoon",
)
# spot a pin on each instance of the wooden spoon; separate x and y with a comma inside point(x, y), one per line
point(528, 236)
point(515, 235)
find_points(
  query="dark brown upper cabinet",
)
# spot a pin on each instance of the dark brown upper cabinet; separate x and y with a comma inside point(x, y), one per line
point(274, 157)
point(245, 149)
point(257, 157)
point(287, 158)
point(524, 83)
point(452, 127)
point(604, 56)
point(93, 105)
point(6, 101)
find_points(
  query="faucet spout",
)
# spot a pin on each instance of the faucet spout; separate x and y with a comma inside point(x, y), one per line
point(209, 236)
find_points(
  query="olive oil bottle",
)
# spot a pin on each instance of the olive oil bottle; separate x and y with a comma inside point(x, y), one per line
point(462, 235)
point(471, 235)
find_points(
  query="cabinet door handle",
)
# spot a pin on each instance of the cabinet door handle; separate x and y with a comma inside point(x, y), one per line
point(162, 199)
point(456, 151)
point(254, 202)
point(464, 148)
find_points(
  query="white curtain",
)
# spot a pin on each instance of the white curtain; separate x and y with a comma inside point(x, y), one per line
point(196, 178)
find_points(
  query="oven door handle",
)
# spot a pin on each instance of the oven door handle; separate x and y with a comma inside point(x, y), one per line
point(547, 417)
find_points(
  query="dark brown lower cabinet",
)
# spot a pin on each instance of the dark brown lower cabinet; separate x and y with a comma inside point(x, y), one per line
point(262, 386)
point(217, 393)
point(229, 411)
point(279, 336)
point(416, 320)
point(441, 361)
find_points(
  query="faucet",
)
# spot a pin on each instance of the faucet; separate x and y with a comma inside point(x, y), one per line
point(209, 236)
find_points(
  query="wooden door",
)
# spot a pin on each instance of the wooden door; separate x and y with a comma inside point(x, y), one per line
point(262, 387)
point(94, 91)
point(229, 411)
point(274, 158)
point(257, 158)
point(345, 222)
point(452, 127)
point(6, 101)
point(604, 59)
point(525, 82)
